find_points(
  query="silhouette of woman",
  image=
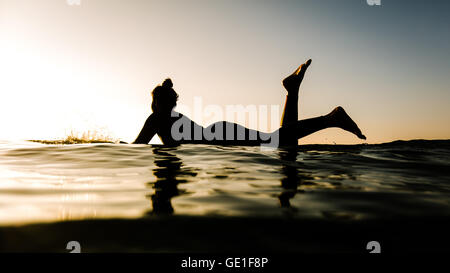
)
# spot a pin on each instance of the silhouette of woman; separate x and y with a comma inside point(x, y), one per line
point(174, 128)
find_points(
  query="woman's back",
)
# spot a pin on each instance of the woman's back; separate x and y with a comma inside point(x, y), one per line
point(177, 128)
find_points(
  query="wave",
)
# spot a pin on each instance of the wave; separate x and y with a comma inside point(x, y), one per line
point(83, 138)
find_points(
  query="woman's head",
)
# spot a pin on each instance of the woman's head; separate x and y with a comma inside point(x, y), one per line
point(164, 97)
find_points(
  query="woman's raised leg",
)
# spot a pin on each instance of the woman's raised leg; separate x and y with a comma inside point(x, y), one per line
point(292, 85)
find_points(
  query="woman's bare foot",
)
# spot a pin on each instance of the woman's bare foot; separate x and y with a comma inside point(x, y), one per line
point(292, 82)
point(343, 121)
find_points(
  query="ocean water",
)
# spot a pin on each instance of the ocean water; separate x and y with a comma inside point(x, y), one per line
point(126, 187)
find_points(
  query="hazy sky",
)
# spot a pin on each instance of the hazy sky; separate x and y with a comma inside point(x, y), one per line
point(92, 66)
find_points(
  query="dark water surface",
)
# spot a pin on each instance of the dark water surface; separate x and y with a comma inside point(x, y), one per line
point(315, 198)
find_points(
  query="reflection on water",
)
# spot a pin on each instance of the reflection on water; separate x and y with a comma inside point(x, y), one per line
point(291, 179)
point(40, 183)
point(169, 173)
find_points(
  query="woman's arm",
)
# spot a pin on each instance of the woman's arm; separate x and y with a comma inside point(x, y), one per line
point(148, 131)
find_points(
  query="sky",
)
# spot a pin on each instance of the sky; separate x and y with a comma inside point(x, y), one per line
point(91, 67)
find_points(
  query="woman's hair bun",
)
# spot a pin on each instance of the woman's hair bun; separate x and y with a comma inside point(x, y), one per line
point(167, 83)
